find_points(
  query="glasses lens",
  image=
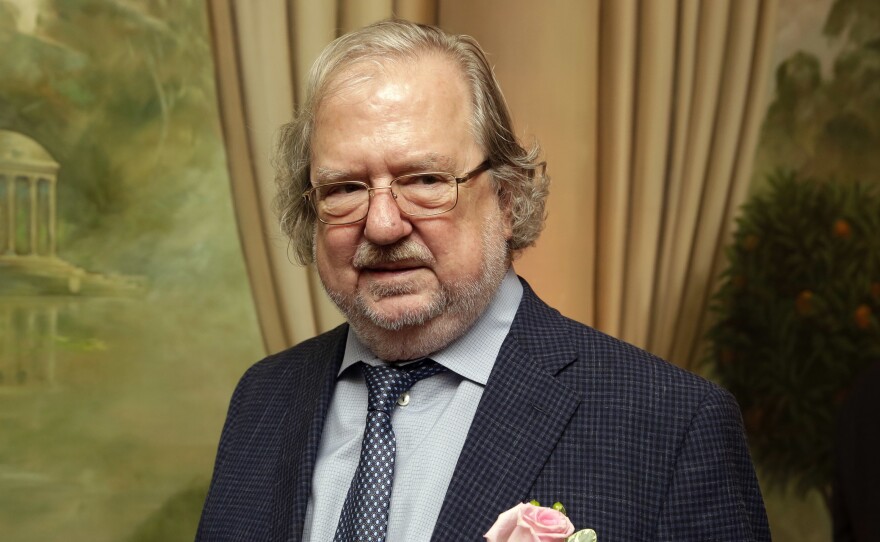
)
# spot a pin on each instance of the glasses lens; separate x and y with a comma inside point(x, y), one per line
point(425, 194)
point(341, 203)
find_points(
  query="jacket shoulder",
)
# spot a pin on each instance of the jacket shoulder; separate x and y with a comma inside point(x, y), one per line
point(319, 350)
point(598, 357)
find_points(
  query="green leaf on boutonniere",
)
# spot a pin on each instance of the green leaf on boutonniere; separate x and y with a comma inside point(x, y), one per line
point(584, 535)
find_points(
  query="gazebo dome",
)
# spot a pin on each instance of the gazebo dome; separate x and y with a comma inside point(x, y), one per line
point(18, 149)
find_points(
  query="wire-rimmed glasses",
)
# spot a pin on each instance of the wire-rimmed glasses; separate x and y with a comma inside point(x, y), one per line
point(423, 194)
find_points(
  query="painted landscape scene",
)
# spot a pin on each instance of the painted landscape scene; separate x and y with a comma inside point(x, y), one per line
point(125, 313)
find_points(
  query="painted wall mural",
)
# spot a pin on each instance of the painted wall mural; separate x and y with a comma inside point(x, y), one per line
point(797, 317)
point(125, 313)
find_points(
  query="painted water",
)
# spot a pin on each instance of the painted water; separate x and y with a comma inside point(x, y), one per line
point(110, 412)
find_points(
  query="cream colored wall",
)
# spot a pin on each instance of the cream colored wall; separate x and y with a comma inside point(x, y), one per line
point(545, 55)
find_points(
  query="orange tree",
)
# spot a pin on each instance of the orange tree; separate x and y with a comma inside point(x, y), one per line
point(796, 319)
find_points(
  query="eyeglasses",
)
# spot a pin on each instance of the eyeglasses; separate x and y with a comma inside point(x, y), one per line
point(417, 194)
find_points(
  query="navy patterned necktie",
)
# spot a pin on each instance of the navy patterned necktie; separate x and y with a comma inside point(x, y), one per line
point(365, 512)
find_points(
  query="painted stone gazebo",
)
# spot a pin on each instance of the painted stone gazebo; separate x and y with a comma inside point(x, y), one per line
point(29, 263)
point(28, 177)
point(36, 284)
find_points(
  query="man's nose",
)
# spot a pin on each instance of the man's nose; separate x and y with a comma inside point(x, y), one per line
point(385, 223)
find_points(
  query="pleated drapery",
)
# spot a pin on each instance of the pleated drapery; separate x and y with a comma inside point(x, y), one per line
point(681, 84)
point(648, 111)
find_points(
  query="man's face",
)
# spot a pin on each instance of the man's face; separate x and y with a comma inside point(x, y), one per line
point(408, 286)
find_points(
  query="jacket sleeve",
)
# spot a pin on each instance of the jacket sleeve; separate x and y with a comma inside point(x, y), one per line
point(713, 492)
point(212, 510)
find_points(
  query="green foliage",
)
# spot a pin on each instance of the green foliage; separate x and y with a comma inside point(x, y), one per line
point(828, 128)
point(797, 318)
point(856, 20)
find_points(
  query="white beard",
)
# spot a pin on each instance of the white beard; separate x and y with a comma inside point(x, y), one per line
point(451, 311)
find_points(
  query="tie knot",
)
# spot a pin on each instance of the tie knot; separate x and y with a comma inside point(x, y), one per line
point(385, 383)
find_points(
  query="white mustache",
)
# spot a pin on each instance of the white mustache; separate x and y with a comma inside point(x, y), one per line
point(370, 255)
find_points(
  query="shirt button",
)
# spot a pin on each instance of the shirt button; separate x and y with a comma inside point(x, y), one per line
point(403, 400)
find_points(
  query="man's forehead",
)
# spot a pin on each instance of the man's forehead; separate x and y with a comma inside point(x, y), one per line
point(394, 68)
point(375, 85)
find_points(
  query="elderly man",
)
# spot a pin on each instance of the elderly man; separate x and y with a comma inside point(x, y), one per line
point(453, 393)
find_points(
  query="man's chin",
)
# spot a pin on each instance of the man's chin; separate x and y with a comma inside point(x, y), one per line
point(400, 311)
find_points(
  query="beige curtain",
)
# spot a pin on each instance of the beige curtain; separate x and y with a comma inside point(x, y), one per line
point(648, 111)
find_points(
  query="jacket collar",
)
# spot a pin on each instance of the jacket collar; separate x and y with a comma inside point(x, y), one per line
point(521, 416)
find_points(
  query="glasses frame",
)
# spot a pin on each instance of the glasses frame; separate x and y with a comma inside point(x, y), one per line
point(307, 195)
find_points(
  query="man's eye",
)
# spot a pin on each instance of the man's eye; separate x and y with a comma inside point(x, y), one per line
point(342, 189)
point(426, 179)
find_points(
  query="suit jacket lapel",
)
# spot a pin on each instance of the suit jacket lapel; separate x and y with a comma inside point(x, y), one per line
point(522, 414)
point(311, 387)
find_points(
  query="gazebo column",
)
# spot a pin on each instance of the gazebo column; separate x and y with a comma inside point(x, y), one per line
point(10, 214)
point(32, 193)
point(52, 215)
point(51, 335)
point(32, 185)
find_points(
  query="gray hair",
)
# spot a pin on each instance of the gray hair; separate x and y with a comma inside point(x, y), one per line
point(520, 180)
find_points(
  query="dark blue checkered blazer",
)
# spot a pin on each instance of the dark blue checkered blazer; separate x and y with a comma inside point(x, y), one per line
point(634, 447)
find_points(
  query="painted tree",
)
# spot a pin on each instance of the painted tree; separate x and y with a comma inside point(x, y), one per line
point(796, 313)
point(122, 94)
point(829, 128)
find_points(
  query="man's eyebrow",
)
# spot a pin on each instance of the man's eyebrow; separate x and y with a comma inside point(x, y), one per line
point(432, 161)
point(325, 175)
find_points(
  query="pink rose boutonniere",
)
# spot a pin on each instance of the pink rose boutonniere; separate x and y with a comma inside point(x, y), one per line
point(530, 522)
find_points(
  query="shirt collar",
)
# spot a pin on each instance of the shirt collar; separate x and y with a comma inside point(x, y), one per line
point(473, 354)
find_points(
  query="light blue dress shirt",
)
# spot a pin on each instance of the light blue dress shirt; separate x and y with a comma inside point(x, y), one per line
point(430, 430)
